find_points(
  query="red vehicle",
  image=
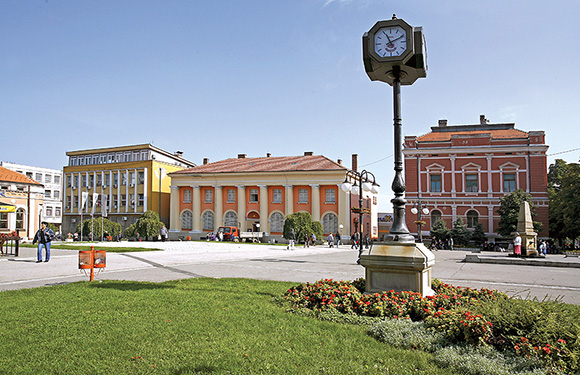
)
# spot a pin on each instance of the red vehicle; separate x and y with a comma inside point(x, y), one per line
point(230, 233)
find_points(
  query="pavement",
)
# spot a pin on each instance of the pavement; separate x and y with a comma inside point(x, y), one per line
point(540, 278)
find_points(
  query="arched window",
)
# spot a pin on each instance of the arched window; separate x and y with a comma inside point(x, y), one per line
point(276, 223)
point(207, 220)
point(20, 219)
point(231, 219)
point(435, 216)
point(186, 220)
point(472, 218)
point(329, 223)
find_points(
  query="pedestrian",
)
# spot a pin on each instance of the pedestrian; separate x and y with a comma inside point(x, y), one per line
point(354, 240)
point(313, 240)
point(291, 239)
point(306, 240)
point(543, 249)
point(367, 241)
point(44, 237)
point(221, 236)
point(337, 239)
point(163, 233)
point(518, 245)
point(76, 237)
point(451, 243)
point(330, 240)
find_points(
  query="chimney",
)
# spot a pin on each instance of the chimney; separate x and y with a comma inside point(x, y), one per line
point(268, 154)
point(354, 162)
point(205, 161)
point(443, 122)
point(241, 156)
point(482, 120)
point(339, 161)
point(308, 153)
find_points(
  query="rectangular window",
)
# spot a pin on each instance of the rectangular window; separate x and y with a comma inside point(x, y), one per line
point(144, 155)
point(253, 195)
point(123, 178)
point(141, 199)
point(92, 180)
point(103, 158)
point(47, 179)
point(56, 194)
point(57, 211)
point(330, 196)
point(132, 178)
point(84, 180)
point(68, 181)
point(118, 157)
point(141, 178)
point(48, 211)
point(29, 174)
point(187, 196)
point(57, 179)
point(302, 195)
point(127, 156)
point(276, 195)
point(68, 201)
point(115, 201)
point(95, 159)
point(115, 178)
point(76, 180)
point(132, 200)
point(208, 196)
point(3, 220)
point(72, 161)
point(99, 179)
point(107, 179)
point(135, 155)
point(471, 183)
point(436, 183)
point(88, 160)
point(75, 201)
point(110, 157)
point(231, 196)
point(509, 182)
point(38, 177)
point(123, 200)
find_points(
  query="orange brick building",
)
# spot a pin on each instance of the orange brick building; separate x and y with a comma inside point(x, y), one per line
point(463, 171)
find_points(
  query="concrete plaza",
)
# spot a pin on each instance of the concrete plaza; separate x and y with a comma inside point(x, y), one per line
point(180, 260)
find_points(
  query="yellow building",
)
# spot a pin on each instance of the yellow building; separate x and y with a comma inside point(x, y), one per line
point(119, 182)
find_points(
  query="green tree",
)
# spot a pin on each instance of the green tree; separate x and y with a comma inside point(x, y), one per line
point(478, 235)
point(556, 173)
point(303, 225)
point(112, 228)
point(148, 225)
point(460, 233)
point(509, 209)
point(564, 195)
point(439, 231)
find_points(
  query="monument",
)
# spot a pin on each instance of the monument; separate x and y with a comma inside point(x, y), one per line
point(525, 228)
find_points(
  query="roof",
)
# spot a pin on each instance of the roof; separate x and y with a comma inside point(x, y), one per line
point(267, 164)
point(494, 134)
point(6, 175)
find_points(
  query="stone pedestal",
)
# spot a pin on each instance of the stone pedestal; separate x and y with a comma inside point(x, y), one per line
point(398, 267)
point(525, 228)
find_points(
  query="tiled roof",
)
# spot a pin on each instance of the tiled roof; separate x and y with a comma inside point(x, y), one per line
point(6, 175)
point(495, 134)
point(267, 164)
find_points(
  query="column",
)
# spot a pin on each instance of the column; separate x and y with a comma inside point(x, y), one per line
point(452, 157)
point(174, 224)
point(145, 191)
point(264, 209)
point(343, 211)
point(490, 214)
point(289, 191)
point(315, 202)
point(219, 206)
point(489, 175)
point(242, 207)
point(196, 209)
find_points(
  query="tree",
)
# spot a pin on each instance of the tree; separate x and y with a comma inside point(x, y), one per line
point(556, 172)
point(564, 195)
point(478, 235)
point(509, 209)
point(148, 225)
point(303, 225)
point(107, 226)
point(439, 231)
point(460, 233)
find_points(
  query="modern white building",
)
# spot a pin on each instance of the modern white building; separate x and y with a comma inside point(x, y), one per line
point(51, 179)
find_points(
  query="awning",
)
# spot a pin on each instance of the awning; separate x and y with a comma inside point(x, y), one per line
point(7, 207)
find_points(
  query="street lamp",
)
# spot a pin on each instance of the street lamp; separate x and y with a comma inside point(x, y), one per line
point(418, 209)
point(363, 181)
point(340, 227)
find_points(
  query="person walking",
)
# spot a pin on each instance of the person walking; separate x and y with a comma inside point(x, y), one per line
point(518, 245)
point(354, 241)
point(44, 237)
point(330, 240)
point(163, 233)
point(313, 240)
point(291, 239)
point(306, 240)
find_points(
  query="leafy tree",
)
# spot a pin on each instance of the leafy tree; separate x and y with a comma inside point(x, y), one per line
point(53, 227)
point(564, 195)
point(509, 209)
point(556, 172)
point(303, 225)
point(439, 231)
point(460, 233)
point(478, 235)
point(107, 226)
point(148, 225)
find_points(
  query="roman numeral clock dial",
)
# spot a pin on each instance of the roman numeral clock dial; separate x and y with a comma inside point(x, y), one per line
point(390, 41)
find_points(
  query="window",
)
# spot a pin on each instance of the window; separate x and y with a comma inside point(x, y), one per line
point(56, 194)
point(140, 199)
point(115, 178)
point(141, 178)
point(329, 223)
point(302, 195)
point(47, 179)
point(253, 195)
point(472, 218)
point(110, 158)
point(207, 220)
point(123, 178)
point(47, 193)
point(144, 155)
point(48, 211)
point(208, 196)
point(68, 181)
point(127, 156)
point(276, 195)
point(435, 217)
point(57, 179)
point(123, 200)
point(107, 179)
point(231, 196)
point(76, 201)
point(92, 180)
point(186, 196)
point(330, 197)
point(99, 179)
point(76, 181)
point(95, 159)
point(436, 183)
point(20, 219)
point(132, 178)
point(38, 177)
point(132, 200)
point(115, 201)
point(118, 157)
point(88, 160)
point(29, 174)
point(3, 220)
point(57, 211)
point(277, 223)
point(72, 161)
point(103, 158)
point(231, 219)
point(135, 155)
point(471, 183)
point(509, 182)
point(186, 220)
point(84, 180)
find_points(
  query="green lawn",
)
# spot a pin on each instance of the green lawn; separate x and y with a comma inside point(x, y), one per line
point(184, 327)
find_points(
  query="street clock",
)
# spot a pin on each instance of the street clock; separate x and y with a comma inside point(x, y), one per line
point(393, 48)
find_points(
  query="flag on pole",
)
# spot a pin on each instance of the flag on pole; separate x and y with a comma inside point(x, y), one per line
point(95, 198)
point(104, 204)
point(84, 197)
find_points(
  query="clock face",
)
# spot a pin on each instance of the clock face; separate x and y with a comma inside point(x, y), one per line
point(390, 41)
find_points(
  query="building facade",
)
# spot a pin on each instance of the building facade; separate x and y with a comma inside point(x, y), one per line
point(119, 182)
point(464, 170)
point(21, 202)
point(257, 194)
point(51, 179)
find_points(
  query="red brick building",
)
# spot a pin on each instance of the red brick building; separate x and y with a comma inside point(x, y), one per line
point(463, 171)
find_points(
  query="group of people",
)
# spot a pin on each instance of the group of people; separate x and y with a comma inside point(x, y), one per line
point(439, 244)
point(333, 240)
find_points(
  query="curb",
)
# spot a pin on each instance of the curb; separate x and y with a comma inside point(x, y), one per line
point(475, 258)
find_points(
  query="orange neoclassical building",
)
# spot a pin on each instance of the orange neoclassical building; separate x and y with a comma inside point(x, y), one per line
point(256, 194)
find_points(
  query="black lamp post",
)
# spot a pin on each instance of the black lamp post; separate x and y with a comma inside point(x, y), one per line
point(363, 184)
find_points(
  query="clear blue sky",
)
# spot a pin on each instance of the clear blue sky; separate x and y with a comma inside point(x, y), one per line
point(214, 79)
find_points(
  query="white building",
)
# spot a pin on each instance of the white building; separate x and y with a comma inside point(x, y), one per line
point(52, 181)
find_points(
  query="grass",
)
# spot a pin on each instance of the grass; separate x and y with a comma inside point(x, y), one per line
point(184, 327)
point(119, 249)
